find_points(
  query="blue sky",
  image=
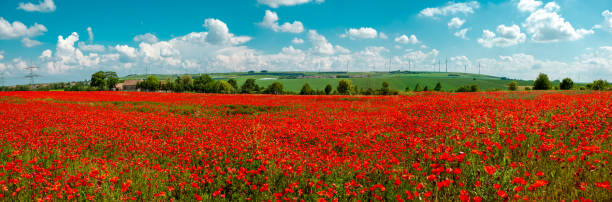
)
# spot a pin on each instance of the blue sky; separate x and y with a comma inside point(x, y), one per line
point(69, 40)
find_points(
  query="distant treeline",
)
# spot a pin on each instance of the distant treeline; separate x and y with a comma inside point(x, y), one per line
point(103, 81)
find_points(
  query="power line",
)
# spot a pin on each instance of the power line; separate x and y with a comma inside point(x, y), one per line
point(31, 75)
point(446, 64)
point(2, 78)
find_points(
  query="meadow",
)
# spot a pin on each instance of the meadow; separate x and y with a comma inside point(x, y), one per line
point(432, 146)
point(397, 80)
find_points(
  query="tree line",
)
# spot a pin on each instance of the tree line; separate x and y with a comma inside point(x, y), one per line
point(107, 80)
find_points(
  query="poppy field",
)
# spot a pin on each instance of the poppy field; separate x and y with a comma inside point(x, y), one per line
point(493, 146)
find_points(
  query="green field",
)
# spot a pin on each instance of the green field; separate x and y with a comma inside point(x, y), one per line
point(293, 81)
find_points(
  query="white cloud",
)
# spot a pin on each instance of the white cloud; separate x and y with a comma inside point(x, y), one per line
point(382, 35)
point(19, 30)
point(455, 23)
point(270, 21)
point(126, 50)
point(322, 46)
point(407, 40)
point(46, 54)
point(297, 41)
point(546, 25)
point(607, 24)
point(91, 47)
point(451, 8)
point(506, 36)
point(218, 33)
point(1, 55)
point(361, 33)
point(277, 3)
point(584, 68)
point(461, 33)
point(42, 6)
point(90, 33)
point(27, 42)
point(148, 38)
point(67, 57)
point(528, 5)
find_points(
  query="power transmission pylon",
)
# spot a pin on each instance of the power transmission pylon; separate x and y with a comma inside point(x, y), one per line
point(31, 75)
point(2, 78)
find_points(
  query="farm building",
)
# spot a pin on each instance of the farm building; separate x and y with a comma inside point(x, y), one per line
point(128, 85)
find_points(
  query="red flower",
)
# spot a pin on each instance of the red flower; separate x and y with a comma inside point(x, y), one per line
point(605, 184)
point(490, 170)
point(502, 194)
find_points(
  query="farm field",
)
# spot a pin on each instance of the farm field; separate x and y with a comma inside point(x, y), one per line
point(493, 146)
point(397, 80)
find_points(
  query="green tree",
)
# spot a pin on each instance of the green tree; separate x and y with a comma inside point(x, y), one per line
point(306, 90)
point(542, 83)
point(98, 80)
point(426, 88)
point(111, 79)
point(599, 85)
point(249, 86)
point(183, 83)
point(151, 83)
point(328, 89)
point(438, 86)
point(275, 88)
point(417, 88)
point(344, 86)
point(233, 83)
point(513, 86)
point(566, 84)
point(385, 90)
point(223, 87)
point(407, 88)
point(474, 88)
point(200, 82)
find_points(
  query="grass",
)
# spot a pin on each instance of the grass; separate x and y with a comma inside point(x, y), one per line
point(293, 81)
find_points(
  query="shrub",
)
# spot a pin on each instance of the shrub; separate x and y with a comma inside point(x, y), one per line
point(599, 85)
point(542, 83)
point(512, 86)
point(306, 90)
point(344, 86)
point(566, 84)
point(275, 88)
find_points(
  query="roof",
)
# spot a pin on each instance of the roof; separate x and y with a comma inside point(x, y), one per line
point(130, 82)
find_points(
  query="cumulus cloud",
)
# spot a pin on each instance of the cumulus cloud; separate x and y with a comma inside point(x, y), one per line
point(455, 23)
point(545, 25)
point(270, 21)
point(67, 56)
point(218, 33)
point(27, 42)
point(1, 55)
point(528, 5)
point(320, 45)
point(19, 30)
point(91, 47)
point(148, 38)
point(607, 24)
point(506, 36)
point(461, 33)
point(42, 6)
point(451, 8)
point(382, 35)
point(361, 33)
point(406, 39)
point(297, 41)
point(90, 34)
point(278, 3)
point(584, 68)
